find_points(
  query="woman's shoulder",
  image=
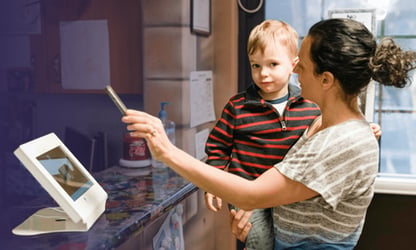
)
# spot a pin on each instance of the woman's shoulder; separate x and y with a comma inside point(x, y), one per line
point(346, 134)
point(355, 126)
point(352, 135)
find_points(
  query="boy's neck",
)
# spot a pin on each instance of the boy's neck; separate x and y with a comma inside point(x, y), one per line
point(275, 95)
point(279, 99)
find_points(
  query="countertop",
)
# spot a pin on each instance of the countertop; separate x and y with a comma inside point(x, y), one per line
point(136, 198)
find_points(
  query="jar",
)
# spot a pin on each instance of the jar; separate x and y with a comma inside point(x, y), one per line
point(135, 152)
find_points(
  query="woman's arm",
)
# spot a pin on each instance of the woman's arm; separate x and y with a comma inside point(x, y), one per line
point(270, 189)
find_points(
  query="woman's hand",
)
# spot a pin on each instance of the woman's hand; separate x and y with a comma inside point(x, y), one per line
point(376, 130)
point(240, 226)
point(141, 124)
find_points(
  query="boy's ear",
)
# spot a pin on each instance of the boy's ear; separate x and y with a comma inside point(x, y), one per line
point(295, 61)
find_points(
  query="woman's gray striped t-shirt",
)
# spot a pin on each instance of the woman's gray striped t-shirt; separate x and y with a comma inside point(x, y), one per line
point(340, 163)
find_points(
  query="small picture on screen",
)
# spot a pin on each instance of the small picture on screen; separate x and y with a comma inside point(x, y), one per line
point(63, 170)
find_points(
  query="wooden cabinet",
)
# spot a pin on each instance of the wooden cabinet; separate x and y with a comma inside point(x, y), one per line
point(124, 20)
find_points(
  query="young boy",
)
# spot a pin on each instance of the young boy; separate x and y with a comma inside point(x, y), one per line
point(258, 126)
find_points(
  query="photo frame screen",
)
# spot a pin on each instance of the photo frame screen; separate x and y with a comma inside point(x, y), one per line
point(65, 172)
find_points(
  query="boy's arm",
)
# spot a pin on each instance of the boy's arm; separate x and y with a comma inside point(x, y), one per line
point(218, 148)
point(219, 144)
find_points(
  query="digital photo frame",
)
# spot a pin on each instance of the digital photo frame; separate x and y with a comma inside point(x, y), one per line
point(80, 198)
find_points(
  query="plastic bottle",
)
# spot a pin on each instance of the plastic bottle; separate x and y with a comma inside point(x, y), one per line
point(169, 128)
point(168, 124)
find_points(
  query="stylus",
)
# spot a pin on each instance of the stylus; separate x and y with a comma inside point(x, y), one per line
point(116, 99)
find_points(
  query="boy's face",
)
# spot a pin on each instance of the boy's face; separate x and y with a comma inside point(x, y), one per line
point(271, 70)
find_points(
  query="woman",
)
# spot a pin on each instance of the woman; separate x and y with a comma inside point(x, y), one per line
point(321, 190)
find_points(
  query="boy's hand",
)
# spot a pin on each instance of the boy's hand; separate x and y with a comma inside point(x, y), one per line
point(211, 204)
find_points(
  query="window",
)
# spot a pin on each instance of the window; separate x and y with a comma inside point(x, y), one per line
point(394, 109)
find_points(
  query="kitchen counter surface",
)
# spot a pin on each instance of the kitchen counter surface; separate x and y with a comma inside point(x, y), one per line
point(136, 198)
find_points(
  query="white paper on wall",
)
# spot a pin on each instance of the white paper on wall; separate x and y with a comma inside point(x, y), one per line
point(202, 98)
point(200, 140)
point(85, 54)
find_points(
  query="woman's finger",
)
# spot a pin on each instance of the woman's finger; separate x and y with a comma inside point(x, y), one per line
point(240, 225)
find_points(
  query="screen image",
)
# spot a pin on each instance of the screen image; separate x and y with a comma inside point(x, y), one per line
point(65, 172)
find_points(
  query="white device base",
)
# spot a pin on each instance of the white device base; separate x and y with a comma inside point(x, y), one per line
point(49, 220)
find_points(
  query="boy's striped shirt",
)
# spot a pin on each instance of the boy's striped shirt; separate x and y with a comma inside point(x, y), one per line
point(251, 136)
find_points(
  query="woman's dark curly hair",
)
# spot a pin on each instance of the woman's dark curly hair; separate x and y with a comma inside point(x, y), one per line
point(348, 50)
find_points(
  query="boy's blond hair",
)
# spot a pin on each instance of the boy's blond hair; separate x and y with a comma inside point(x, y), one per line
point(273, 32)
